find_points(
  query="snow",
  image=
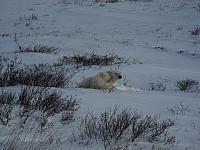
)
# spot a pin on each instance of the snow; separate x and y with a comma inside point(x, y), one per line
point(129, 29)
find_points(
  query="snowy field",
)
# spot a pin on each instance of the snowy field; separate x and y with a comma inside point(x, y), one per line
point(157, 33)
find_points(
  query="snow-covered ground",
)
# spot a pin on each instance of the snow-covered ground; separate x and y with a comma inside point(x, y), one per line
point(153, 32)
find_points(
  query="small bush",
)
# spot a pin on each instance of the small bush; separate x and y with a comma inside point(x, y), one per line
point(198, 7)
point(32, 140)
point(90, 2)
point(28, 20)
point(31, 17)
point(98, 60)
point(111, 1)
point(161, 48)
point(195, 31)
point(45, 75)
point(179, 109)
point(140, 0)
point(7, 100)
point(106, 1)
point(187, 85)
point(11, 73)
point(38, 49)
point(37, 100)
point(117, 129)
point(47, 102)
point(4, 34)
point(159, 86)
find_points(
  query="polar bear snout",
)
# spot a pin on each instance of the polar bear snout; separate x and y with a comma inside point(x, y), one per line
point(115, 76)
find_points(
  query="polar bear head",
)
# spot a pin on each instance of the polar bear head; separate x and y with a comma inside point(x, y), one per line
point(110, 76)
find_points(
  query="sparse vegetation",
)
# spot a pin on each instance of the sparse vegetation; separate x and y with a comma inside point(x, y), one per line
point(158, 86)
point(160, 48)
point(98, 60)
point(7, 100)
point(4, 35)
point(31, 17)
point(107, 1)
point(45, 75)
point(140, 0)
point(32, 100)
point(37, 49)
point(179, 28)
point(195, 31)
point(47, 102)
point(71, 107)
point(55, 75)
point(28, 19)
point(179, 109)
point(9, 71)
point(84, 2)
point(20, 140)
point(117, 129)
point(186, 53)
point(198, 7)
point(187, 85)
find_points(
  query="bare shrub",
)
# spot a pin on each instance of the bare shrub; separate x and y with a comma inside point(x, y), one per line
point(4, 34)
point(98, 60)
point(55, 75)
point(31, 17)
point(71, 107)
point(28, 101)
point(37, 49)
point(21, 140)
point(140, 0)
point(179, 109)
point(10, 143)
point(195, 31)
point(106, 1)
point(90, 2)
point(161, 48)
point(46, 75)
point(46, 101)
point(7, 100)
point(111, 1)
point(9, 71)
point(186, 53)
point(116, 128)
point(28, 19)
point(198, 7)
point(158, 86)
point(150, 129)
point(40, 101)
point(187, 85)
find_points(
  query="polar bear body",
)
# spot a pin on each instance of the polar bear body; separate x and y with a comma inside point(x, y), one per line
point(102, 81)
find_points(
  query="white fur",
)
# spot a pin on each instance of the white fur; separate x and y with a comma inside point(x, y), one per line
point(102, 81)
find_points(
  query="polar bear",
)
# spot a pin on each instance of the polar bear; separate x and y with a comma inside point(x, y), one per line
point(102, 81)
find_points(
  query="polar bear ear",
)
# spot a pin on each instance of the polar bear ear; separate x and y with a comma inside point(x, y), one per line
point(105, 76)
